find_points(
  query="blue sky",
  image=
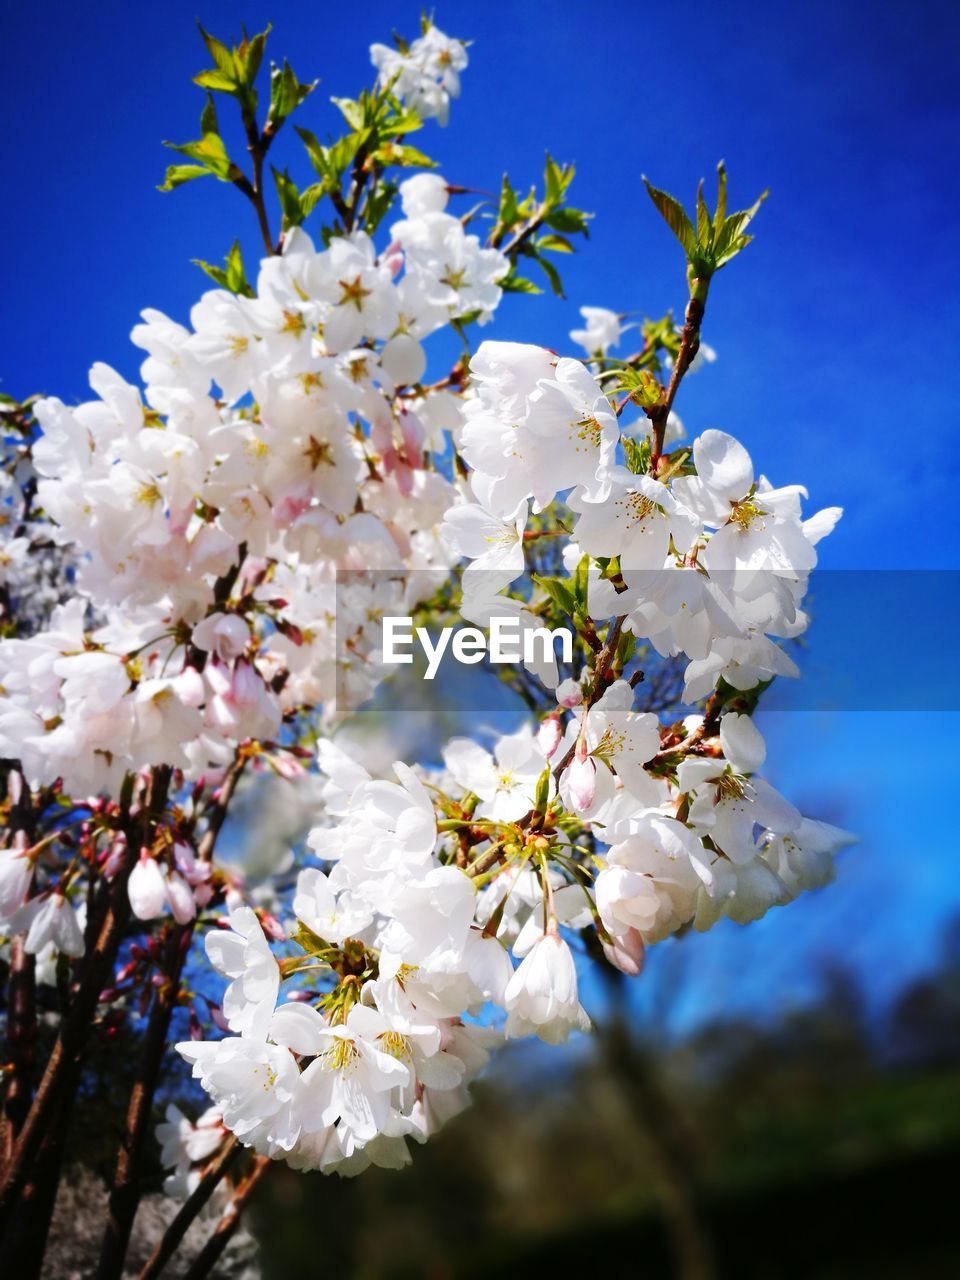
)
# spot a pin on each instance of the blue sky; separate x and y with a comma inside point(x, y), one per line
point(836, 330)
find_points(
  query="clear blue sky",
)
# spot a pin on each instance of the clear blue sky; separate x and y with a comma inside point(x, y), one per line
point(836, 329)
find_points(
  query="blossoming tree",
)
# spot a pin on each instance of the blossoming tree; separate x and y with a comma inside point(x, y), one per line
point(194, 578)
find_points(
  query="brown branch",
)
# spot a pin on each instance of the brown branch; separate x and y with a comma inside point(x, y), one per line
point(689, 346)
point(604, 659)
point(191, 1207)
point(60, 1077)
point(209, 1255)
point(125, 1191)
point(21, 1039)
point(21, 987)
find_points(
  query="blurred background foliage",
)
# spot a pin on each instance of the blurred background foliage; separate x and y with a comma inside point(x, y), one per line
point(824, 1143)
point(821, 1143)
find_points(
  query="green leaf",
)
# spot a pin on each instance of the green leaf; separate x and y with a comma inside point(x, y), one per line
point(309, 941)
point(315, 150)
point(231, 275)
point(581, 582)
point(641, 386)
point(625, 647)
point(286, 93)
point(636, 454)
point(400, 120)
point(341, 154)
point(248, 55)
point(508, 214)
point(556, 179)
point(216, 81)
point(178, 174)
point(675, 216)
point(552, 274)
point(559, 592)
point(311, 196)
point(219, 53)
point(570, 221)
point(209, 152)
point(377, 204)
point(704, 225)
point(392, 153)
point(236, 276)
point(289, 196)
point(519, 284)
point(720, 216)
point(208, 117)
point(542, 794)
point(555, 244)
point(351, 111)
point(216, 274)
point(731, 239)
point(329, 162)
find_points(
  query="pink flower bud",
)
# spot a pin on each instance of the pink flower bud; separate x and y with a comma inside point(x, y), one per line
point(392, 257)
point(581, 778)
point(188, 686)
point(625, 953)
point(289, 770)
point(245, 684)
point(146, 888)
point(549, 735)
point(202, 893)
point(272, 927)
point(569, 694)
point(115, 856)
point(180, 897)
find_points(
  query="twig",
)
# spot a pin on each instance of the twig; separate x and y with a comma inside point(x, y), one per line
point(63, 1066)
point(188, 1211)
point(21, 1035)
point(208, 1256)
point(125, 1191)
point(689, 346)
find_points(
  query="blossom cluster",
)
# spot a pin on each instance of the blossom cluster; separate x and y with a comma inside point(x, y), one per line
point(238, 529)
point(279, 440)
point(603, 819)
point(424, 74)
point(339, 1080)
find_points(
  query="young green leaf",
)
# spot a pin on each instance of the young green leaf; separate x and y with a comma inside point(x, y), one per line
point(392, 153)
point(178, 174)
point(289, 196)
point(210, 155)
point(286, 94)
point(208, 117)
point(231, 275)
point(675, 216)
point(507, 214)
point(519, 284)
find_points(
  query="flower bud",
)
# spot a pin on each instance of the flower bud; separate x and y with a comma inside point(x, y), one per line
point(180, 897)
point(147, 888)
point(582, 781)
point(625, 953)
point(549, 735)
point(569, 694)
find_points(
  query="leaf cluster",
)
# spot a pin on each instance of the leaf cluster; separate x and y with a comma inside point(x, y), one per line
point(709, 241)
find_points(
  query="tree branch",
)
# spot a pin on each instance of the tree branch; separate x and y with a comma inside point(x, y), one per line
point(190, 1208)
point(209, 1255)
point(63, 1068)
